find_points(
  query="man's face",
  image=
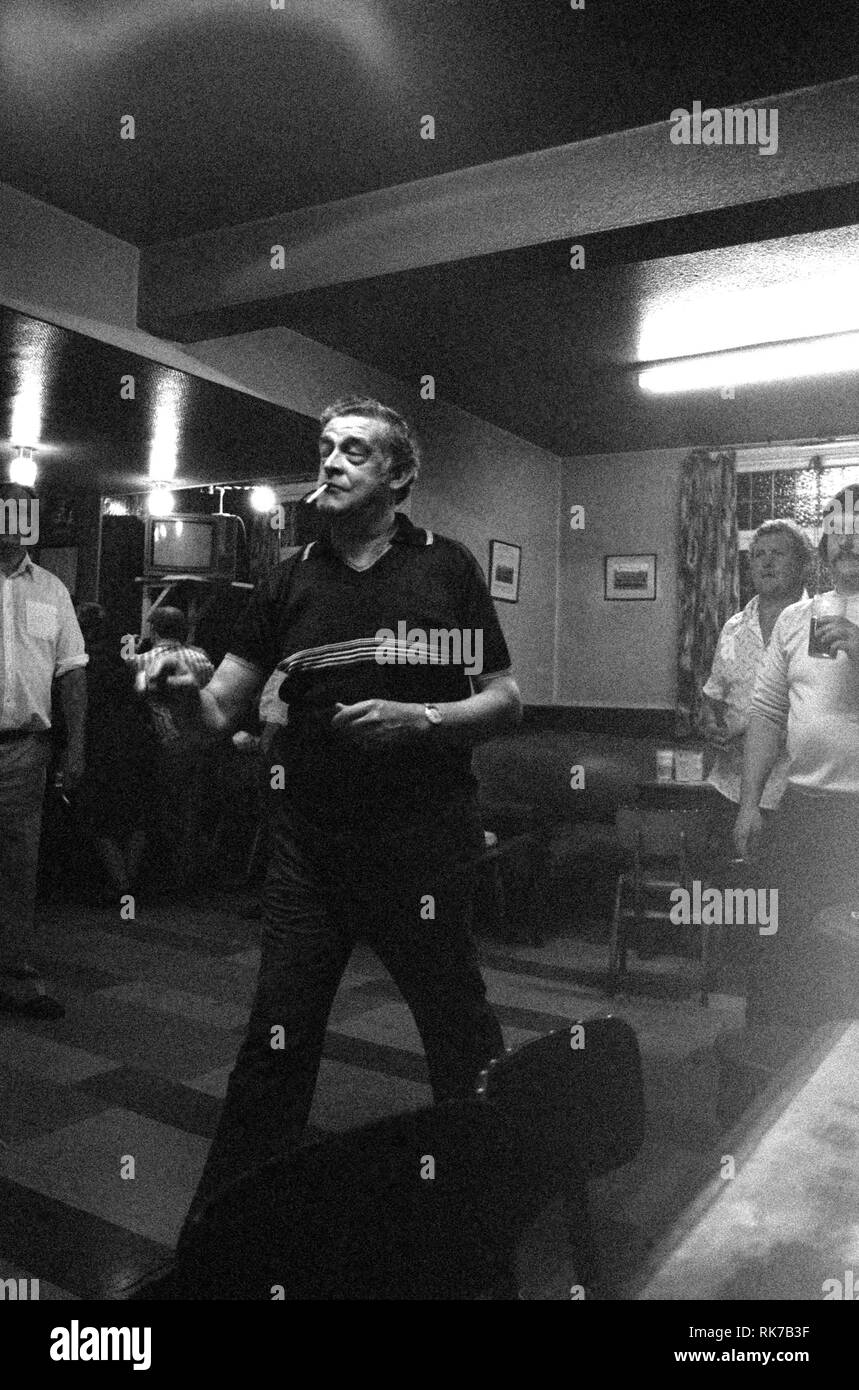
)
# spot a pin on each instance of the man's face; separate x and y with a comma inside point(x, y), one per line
point(841, 530)
point(775, 565)
point(354, 460)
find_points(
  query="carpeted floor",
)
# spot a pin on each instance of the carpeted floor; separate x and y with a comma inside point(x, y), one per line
point(155, 1013)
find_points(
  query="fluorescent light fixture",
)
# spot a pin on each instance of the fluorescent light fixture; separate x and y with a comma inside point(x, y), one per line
point(23, 468)
point(808, 357)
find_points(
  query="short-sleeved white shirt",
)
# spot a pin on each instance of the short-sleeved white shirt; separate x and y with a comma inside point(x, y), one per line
point(815, 700)
point(739, 656)
point(40, 639)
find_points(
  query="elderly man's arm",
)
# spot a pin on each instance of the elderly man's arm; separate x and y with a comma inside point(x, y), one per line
point(495, 707)
point(72, 687)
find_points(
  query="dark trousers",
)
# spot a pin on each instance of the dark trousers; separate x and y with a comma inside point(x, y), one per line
point(23, 770)
point(417, 920)
point(807, 972)
point(179, 798)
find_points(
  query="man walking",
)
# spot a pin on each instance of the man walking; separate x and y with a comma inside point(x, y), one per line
point(377, 825)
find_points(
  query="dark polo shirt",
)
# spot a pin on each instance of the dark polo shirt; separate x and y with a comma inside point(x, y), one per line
point(406, 629)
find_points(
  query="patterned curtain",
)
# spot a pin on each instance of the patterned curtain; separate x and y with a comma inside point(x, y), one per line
point(708, 579)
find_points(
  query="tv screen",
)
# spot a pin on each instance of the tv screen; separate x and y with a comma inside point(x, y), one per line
point(182, 547)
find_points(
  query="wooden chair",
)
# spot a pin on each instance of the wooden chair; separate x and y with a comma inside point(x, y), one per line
point(667, 849)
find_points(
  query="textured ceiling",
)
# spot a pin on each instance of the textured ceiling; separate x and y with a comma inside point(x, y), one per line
point(242, 111)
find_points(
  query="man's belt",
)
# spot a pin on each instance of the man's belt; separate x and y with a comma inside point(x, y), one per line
point(7, 735)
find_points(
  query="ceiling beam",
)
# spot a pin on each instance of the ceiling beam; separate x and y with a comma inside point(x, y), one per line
point(613, 181)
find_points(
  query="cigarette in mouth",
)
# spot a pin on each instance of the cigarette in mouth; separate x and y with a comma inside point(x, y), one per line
point(316, 493)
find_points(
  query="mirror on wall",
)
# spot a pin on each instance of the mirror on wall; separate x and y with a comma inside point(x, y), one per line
point(96, 421)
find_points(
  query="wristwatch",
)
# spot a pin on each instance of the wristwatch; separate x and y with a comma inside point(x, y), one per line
point(433, 713)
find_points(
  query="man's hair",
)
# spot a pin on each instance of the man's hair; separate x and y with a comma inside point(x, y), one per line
point(169, 622)
point(783, 525)
point(846, 499)
point(402, 445)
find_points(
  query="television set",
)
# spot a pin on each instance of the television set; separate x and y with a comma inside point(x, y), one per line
point(195, 544)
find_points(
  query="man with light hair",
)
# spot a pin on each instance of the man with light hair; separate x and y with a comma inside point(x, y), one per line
point(808, 689)
point(779, 560)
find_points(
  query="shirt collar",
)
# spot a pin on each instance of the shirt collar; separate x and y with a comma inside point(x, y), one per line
point(405, 533)
point(25, 566)
point(751, 614)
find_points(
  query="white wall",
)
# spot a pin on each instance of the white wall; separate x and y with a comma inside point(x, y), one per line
point(618, 653)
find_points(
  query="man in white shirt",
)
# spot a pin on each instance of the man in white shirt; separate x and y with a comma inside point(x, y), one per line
point(779, 560)
point(808, 851)
point(40, 640)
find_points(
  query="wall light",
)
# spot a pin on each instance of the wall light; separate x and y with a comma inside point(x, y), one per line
point(804, 357)
point(263, 499)
point(160, 501)
point(22, 468)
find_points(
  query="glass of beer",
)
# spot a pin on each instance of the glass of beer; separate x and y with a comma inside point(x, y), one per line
point(823, 606)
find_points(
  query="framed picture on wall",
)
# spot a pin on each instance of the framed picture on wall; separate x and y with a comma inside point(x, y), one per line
point(504, 571)
point(630, 577)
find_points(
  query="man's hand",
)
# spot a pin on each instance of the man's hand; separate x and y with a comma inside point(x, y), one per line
point(747, 831)
point(169, 674)
point(839, 635)
point(72, 767)
point(379, 721)
point(721, 726)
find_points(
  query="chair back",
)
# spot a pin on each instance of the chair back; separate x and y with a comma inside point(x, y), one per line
point(677, 835)
point(577, 1093)
point(424, 1205)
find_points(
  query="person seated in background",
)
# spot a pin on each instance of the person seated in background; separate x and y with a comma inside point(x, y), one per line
point(806, 852)
point(181, 757)
point(114, 798)
point(779, 560)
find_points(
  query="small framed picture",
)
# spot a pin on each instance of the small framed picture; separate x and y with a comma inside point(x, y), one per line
point(630, 577)
point(504, 571)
